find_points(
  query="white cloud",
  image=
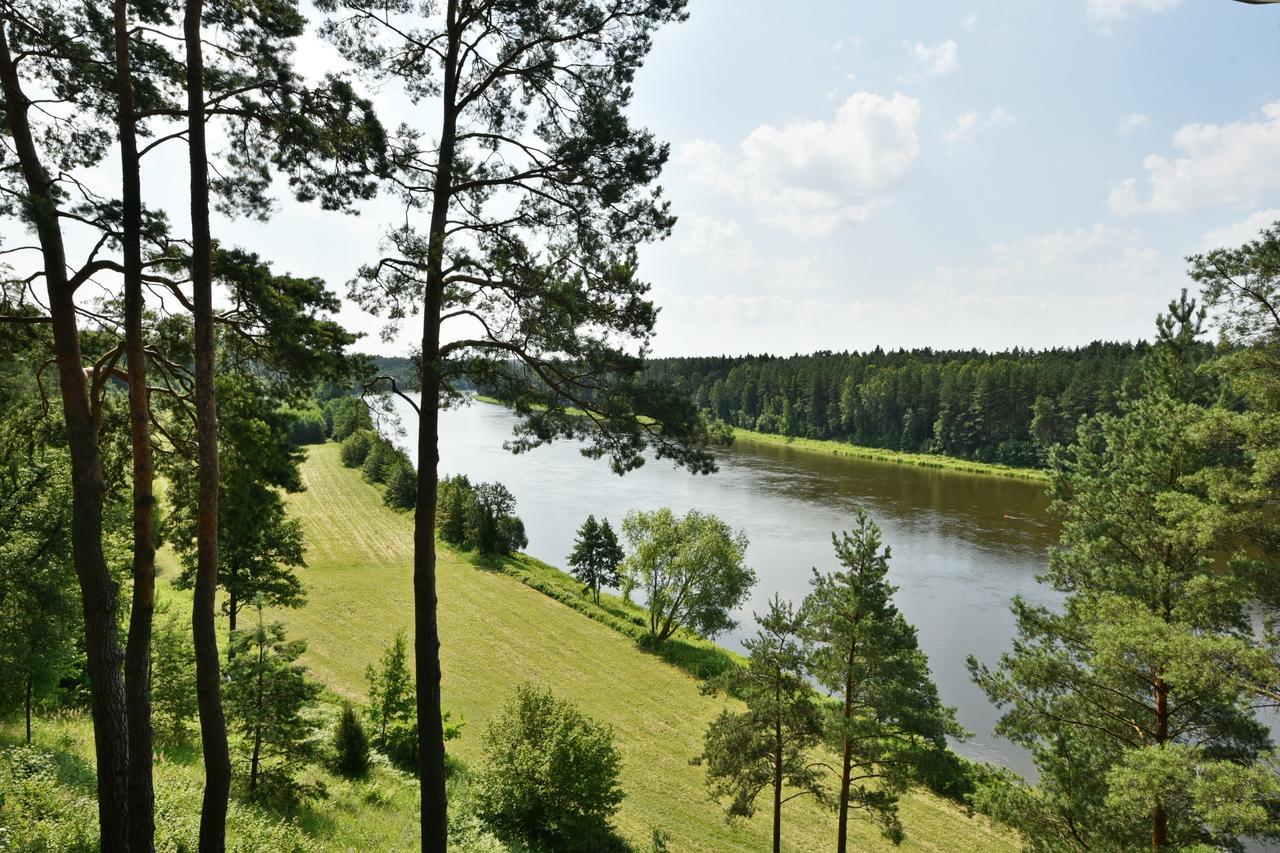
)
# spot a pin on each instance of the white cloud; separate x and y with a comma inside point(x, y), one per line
point(1235, 164)
point(968, 124)
point(1132, 122)
point(1239, 233)
point(934, 61)
point(721, 244)
point(815, 176)
point(1115, 10)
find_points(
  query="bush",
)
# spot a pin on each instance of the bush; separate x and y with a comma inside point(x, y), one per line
point(551, 773)
point(351, 745)
point(346, 416)
point(308, 427)
point(377, 463)
point(356, 447)
point(402, 486)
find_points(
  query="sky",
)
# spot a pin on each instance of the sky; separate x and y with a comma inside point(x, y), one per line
point(916, 174)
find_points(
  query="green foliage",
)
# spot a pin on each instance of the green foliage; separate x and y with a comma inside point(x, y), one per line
point(479, 517)
point(39, 596)
point(381, 461)
point(259, 546)
point(356, 447)
point(1007, 408)
point(350, 744)
point(269, 702)
point(345, 416)
point(770, 744)
point(173, 677)
point(402, 486)
point(596, 556)
point(1138, 697)
point(690, 570)
point(309, 427)
point(551, 772)
point(887, 722)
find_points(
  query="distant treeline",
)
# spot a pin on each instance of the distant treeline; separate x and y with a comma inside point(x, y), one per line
point(1008, 407)
point(404, 370)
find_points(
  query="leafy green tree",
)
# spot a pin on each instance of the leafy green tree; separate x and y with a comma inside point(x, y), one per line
point(491, 524)
point(351, 744)
point(269, 698)
point(39, 600)
point(455, 495)
point(529, 197)
point(690, 569)
point(596, 556)
point(888, 722)
point(1138, 697)
point(346, 416)
point(173, 677)
point(550, 772)
point(771, 744)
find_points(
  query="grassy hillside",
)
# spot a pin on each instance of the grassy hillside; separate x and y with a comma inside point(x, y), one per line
point(497, 632)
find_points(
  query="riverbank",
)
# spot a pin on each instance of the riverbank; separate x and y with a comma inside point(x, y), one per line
point(828, 447)
point(502, 625)
point(875, 454)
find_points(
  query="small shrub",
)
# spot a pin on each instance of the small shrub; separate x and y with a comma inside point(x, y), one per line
point(351, 745)
point(551, 773)
point(356, 447)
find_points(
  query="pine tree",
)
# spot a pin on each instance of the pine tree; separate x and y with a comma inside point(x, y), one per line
point(391, 693)
point(269, 697)
point(772, 744)
point(888, 721)
point(596, 556)
point(1138, 697)
point(351, 744)
point(173, 677)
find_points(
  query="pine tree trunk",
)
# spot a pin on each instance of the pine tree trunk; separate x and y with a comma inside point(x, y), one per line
point(846, 761)
point(98, 590)
point(1159, 818)
point(434, 800)
point(137, 662)
point(777, 768)
point(213, 726)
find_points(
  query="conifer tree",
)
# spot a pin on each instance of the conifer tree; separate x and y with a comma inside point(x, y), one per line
point(596, 556)
point(268, 697)
point(1137, 698)
point(888, 721)
point(772, 745)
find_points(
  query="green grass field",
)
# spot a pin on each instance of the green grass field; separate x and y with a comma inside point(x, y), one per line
point(497, 632)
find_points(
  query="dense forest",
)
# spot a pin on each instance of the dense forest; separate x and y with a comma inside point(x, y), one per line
point(1008, 407)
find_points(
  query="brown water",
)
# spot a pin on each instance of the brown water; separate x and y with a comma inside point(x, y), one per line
point(963, 545)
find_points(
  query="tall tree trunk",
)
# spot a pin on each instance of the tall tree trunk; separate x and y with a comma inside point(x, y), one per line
point(137, 661)
point(28, 710)
point(1159, 818)
point(97, 588)
point(777, 767)
point(846, 760)
point(426, 646)
point(213, 726)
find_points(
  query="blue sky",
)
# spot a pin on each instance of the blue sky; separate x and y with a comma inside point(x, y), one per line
point(929, 173)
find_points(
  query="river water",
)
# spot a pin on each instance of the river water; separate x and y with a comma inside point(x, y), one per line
point(963, 545)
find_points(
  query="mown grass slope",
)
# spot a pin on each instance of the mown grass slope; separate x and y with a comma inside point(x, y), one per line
point(497, 632)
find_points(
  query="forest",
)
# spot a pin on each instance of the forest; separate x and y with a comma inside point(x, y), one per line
point(1009, 408)
point(243, 608)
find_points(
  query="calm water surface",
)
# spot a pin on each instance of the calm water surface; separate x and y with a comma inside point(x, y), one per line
point(963, 545)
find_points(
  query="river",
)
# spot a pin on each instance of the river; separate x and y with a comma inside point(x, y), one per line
point(963, 545)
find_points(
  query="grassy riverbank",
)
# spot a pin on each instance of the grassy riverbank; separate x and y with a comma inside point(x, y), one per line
point(497, 630)
point(875, 454)
point(503, 624)
point(923, 460)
